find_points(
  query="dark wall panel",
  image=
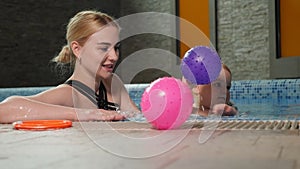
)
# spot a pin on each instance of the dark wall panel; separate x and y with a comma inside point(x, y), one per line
point(32, 32)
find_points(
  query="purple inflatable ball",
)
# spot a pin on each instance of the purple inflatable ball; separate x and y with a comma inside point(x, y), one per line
point(201, 65)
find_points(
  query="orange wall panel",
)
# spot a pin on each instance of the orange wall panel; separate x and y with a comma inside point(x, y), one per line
point(196, 12)
point(290, 28)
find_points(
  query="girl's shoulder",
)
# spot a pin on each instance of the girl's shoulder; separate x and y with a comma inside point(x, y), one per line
point(59, 95)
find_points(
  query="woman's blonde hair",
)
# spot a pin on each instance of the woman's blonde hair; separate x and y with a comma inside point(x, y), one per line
point(79, 29)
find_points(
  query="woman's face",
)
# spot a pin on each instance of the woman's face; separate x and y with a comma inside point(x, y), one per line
point(217, 92)
point(101, 52)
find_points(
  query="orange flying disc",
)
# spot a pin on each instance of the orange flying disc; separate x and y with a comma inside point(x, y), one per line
point(42, 124)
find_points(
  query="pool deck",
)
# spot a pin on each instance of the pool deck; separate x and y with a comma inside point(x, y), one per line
point(73, 148)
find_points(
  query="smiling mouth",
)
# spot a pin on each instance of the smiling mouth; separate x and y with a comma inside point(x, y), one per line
point(108, 67)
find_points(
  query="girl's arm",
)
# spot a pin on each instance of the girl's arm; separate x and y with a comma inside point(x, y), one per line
point(17, 108)
point(126, 103)
point(52, 104)
point(222, 109)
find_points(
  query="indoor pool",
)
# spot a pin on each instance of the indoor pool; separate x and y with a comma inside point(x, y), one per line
point(269, 111)
point(267, 99)
point(255, 99)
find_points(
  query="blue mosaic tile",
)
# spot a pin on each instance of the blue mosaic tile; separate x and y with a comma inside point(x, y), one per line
point(20, 91)
point(265, 89)
point(136, 91)
point(252, 91)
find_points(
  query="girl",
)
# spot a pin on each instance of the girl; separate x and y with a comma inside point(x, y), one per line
point(214, 97)
point(92, 92)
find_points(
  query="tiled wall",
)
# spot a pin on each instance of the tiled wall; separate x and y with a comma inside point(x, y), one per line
point(246, 90)
point(20, 91)
point(249, 91)
point(283, 89)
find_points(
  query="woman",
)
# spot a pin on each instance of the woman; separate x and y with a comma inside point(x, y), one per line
point(92, 92)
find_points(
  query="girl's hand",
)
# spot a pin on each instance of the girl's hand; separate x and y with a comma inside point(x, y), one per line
point(224, 109)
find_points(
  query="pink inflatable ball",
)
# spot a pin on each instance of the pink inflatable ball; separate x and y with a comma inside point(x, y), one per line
point(201, 65)
point(167, 103)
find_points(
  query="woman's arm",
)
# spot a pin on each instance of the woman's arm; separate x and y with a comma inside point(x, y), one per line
point(17, 108)
point(126, 103)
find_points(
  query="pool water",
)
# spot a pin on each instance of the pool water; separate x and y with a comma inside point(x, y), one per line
point(255, 99)
point(267, 99)
point(263, 110)
point(269, 111)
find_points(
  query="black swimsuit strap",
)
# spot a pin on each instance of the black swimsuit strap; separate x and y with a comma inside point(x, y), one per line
point(83, 89)
point(103, 101)
point(102, 96)
point(98, 99)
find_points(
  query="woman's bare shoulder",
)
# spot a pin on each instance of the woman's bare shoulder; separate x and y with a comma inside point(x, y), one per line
point(59, 95)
